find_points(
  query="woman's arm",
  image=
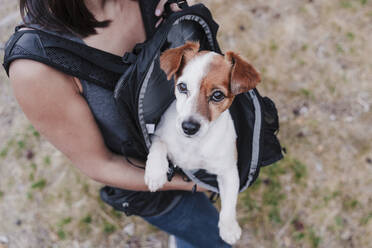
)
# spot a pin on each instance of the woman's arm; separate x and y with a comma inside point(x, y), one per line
point(52, 102)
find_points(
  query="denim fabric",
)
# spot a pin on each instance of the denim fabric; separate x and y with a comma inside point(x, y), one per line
point(194, 222)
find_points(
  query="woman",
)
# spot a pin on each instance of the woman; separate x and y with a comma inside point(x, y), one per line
point(80, 119)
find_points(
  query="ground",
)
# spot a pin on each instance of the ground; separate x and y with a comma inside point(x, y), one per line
point(315, 61)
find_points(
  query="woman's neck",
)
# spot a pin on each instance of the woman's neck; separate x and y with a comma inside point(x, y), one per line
point(105, 9)
point(126, 27)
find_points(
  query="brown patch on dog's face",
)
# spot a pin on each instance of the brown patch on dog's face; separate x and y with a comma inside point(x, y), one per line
point(216, 80)
point(229, 77)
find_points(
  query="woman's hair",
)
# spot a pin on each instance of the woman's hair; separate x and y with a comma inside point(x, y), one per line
point(71, 16)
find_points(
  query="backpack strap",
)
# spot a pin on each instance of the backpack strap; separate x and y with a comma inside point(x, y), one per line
point(148, 16)
point(148, 13)
point(68, 56)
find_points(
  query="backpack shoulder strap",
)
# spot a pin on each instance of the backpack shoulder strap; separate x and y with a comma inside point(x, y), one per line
point(68, 56)
point(148, 15)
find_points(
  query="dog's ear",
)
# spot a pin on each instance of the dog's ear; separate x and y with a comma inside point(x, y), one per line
point(173, 60)
point(243, 76)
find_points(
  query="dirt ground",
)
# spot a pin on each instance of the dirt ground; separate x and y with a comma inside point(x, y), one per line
point(315, 61)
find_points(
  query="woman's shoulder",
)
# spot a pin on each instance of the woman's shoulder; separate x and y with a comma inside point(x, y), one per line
point(28, 76)
point(26, 71)
point(32, 70)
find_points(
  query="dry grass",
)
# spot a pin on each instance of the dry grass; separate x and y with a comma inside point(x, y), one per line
point(315, 60)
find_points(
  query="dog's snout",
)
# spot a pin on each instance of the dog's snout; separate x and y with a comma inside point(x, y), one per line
point(190, 127)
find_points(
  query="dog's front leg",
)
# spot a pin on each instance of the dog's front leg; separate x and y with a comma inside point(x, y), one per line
point(228, 184)
point(156, 165)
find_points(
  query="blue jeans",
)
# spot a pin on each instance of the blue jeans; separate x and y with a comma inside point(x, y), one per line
point(194, 222)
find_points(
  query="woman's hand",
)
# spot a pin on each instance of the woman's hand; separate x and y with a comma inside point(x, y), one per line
point(160, 9)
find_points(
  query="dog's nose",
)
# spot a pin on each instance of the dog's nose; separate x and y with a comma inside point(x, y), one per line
point(190, 127)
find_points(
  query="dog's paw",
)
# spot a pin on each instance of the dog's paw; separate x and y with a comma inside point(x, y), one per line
point(230, 231)
point(156, 173)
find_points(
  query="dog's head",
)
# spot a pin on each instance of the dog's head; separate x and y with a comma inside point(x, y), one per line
point(205, 84)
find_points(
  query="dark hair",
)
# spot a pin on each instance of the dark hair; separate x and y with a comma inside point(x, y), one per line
point(71, 16)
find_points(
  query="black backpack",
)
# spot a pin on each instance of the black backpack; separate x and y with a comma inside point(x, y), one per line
point(143, 92)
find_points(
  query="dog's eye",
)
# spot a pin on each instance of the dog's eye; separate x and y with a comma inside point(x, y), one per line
point(217, 96)
point(182, 88)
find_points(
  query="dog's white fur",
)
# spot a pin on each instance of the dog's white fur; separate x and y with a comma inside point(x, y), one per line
point(213, 148)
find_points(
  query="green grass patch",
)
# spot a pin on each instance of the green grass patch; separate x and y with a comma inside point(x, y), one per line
point(290, 164)
point(61, 234)
point(276, 169)
point(87, 219)
point(273, 46)
point(298, 236)
point(11, 142)
point(339, 48)
point(301, 62)
point(304, 47)
point(274, 215)
point(33, 166)
point(350, 36)
point(101, 203)
point(331, 88)
point(65, 221)
point(331, 196)
point(1, 194)
point(116, 213)
point(4, 152)
point(364, 220)
point(39, 184)
point(67, 196)
point(314, 239)
point(339, 221)
point(47, 160)
point(109, 228)
point(31, 177)
point(299, 169)
point(256, 185)
point(33, 131)
point(30, 196)
point(249, 203)
point(346, 4)
point(363, 2)
point(265, 198)
point(273, 195)
point(86, 188)
point(305, 92)
point(21, 144)
point(36, 134)
point(349, 204)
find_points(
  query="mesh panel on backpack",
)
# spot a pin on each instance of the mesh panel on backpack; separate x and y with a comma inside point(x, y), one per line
point(74, 63)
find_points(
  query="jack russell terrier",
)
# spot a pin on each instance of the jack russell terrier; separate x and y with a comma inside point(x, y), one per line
point(197, 131)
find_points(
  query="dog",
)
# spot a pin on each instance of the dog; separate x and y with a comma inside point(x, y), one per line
point(197, 131)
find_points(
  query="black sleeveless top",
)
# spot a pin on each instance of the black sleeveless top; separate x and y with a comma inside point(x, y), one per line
point(101, 100)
